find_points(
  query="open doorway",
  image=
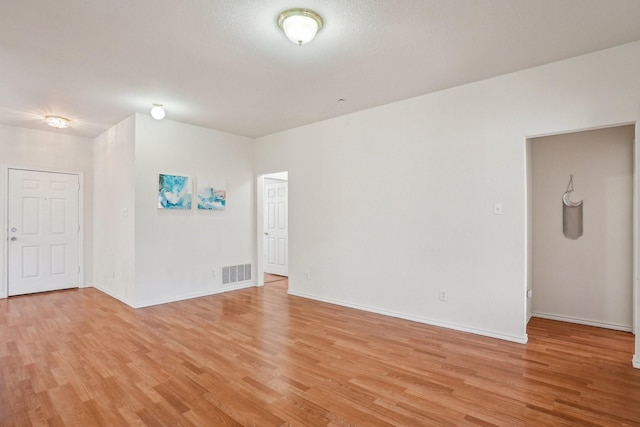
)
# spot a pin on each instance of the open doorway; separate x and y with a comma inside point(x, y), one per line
point(276, 282)
point(586, 278)
point(274, 226)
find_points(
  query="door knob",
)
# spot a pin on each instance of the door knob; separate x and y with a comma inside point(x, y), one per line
point(13, 230)
point(266, 234)
point(14, 238)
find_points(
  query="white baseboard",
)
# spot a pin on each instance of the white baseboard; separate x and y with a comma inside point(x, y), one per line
point(112, 295)
point(492, 334)
point(636, 361)
point(174, 299)
point(194, 295)
point(581, 321)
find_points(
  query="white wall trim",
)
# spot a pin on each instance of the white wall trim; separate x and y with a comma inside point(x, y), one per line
point(170, 300)
point(581, 129)
point(636, 234)
point(4, 279)
point(112, 294)
point(280, 176)
point(513, 338)
point(4, 184)
point(636, 361)
point(581, 321)
point(260, 230)
point(194, 295)
point(81, 283)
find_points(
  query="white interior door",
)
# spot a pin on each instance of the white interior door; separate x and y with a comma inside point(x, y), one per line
point(276, 228)
point(43, 231)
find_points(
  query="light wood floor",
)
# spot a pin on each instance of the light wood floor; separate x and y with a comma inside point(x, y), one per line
point(260, 357)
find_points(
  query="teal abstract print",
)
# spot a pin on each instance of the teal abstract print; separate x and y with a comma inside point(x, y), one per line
point(210, 198)
point(174, 192)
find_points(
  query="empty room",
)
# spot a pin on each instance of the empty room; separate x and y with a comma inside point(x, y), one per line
point(319, 213)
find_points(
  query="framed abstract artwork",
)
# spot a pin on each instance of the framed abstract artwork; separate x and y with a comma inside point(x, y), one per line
point(174, 192)
point(210, 198)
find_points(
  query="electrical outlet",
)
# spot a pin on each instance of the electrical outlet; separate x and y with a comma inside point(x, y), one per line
point(442, 295)
point(497, 208)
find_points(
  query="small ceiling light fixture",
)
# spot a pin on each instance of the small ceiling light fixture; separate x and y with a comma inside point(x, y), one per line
point(57, 122)
point(300, 25)
point(157, 112)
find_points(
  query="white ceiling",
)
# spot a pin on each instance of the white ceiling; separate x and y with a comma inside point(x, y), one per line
point(226, 65)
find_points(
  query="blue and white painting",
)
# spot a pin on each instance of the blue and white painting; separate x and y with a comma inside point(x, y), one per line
point(213, 199)
point(174, 192)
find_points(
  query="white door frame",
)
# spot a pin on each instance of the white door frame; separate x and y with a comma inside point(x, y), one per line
point(635, 224)
point(4, 205)
point(636, 243)
point(280, 265)
point(260, 226)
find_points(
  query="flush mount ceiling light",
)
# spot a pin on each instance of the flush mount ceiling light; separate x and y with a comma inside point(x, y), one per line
point(57, 122)
point(300, 25)
point(157, 112)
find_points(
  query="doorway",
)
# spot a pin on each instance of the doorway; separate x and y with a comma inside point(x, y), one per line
point(275, 226)
point(585, 278)
point(276, 282)
point(43, 231)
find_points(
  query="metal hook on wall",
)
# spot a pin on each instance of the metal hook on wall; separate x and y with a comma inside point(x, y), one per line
point(566, 196)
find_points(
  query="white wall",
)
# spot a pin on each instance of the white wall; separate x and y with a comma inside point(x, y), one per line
point(390, 205)
point(146, 256)
point(588, 280)
point(49, 150)
point(176, 251)
point(114, 211)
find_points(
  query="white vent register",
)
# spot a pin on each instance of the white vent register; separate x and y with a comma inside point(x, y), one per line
point(236, 274)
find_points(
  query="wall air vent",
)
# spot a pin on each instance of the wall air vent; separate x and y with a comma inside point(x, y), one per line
point(236, 274)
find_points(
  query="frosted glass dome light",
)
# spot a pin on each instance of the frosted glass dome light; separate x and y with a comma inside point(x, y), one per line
point(157, 112)
point(57, 122)
point(300, 25)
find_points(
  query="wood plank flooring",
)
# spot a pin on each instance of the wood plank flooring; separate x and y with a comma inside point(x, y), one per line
point(259, 357)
